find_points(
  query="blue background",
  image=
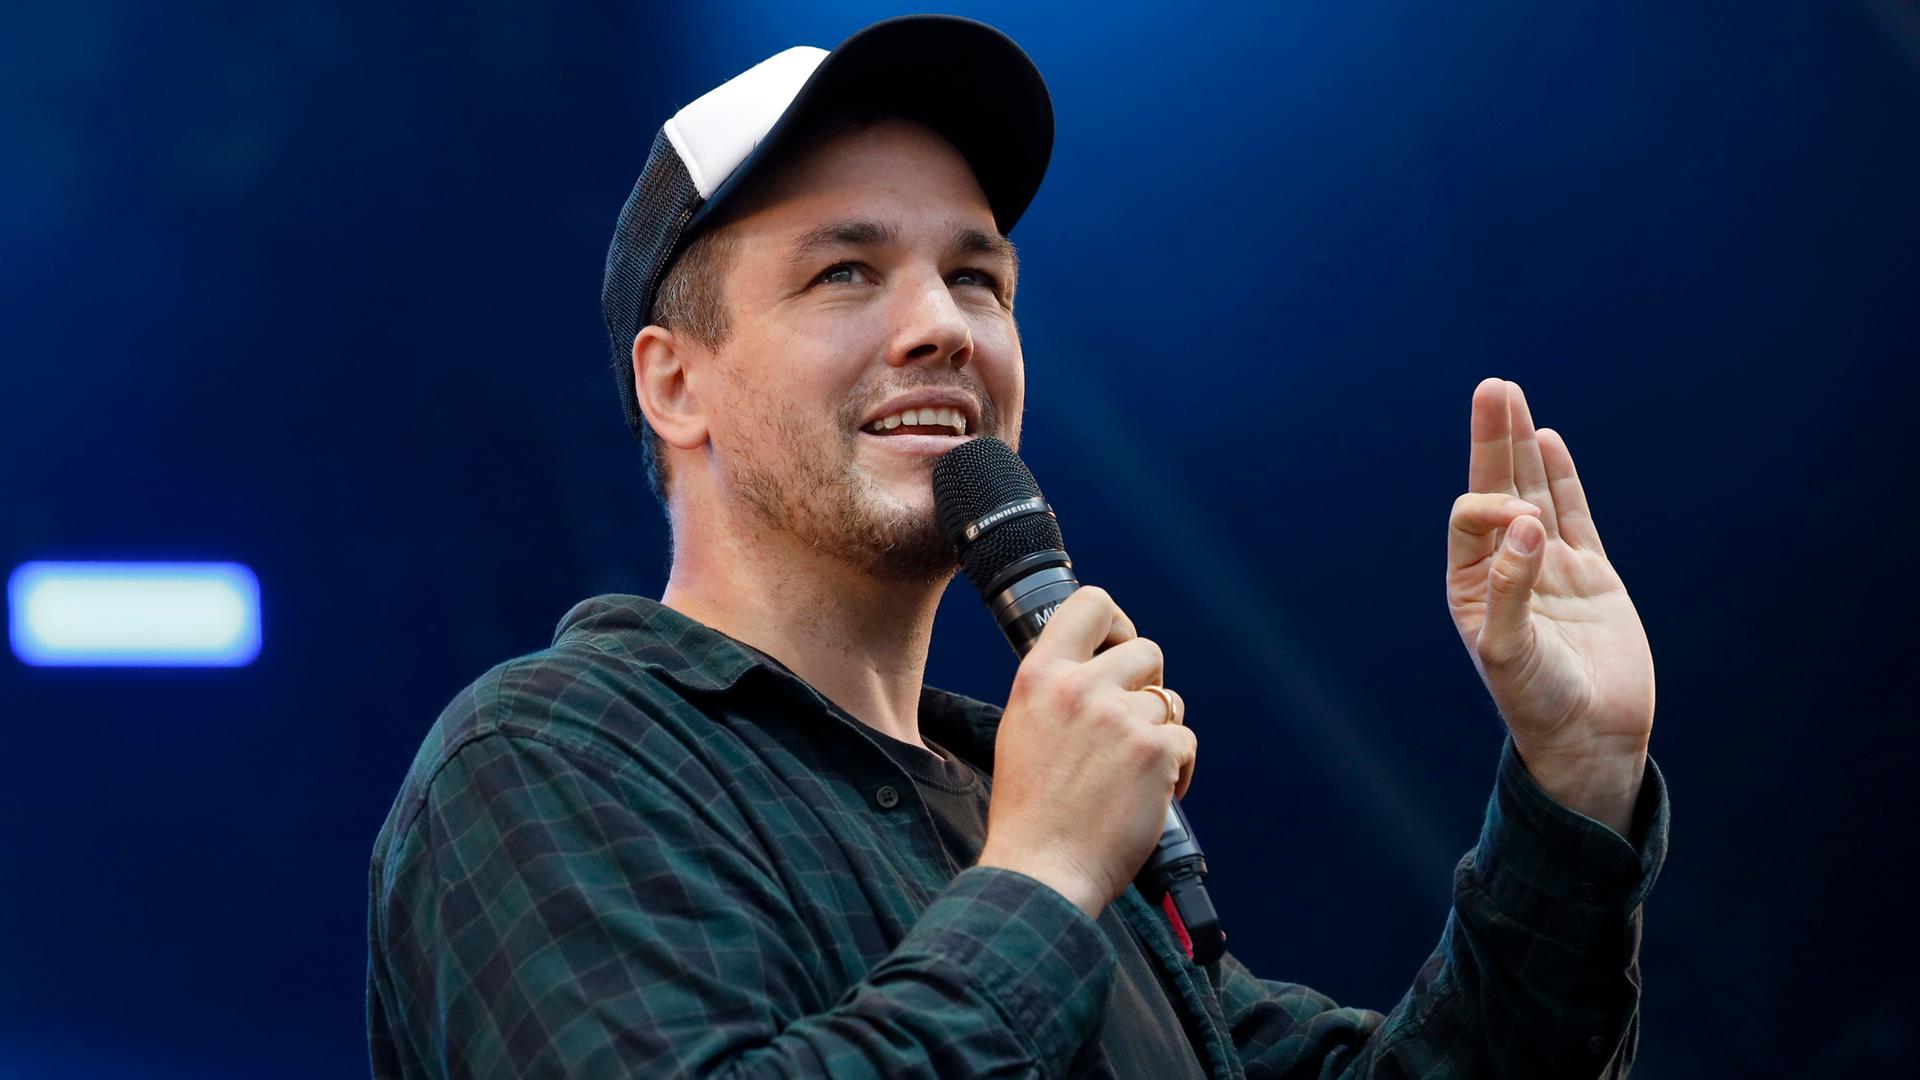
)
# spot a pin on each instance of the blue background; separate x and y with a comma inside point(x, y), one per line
point(315, 288)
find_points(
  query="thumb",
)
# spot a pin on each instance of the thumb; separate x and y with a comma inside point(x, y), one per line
point(1508, 633)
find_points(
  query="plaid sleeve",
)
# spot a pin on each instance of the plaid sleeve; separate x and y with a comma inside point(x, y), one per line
point(550, 912)
point(1537, 972)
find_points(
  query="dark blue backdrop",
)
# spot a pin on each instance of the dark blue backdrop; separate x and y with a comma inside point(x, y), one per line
point(315, 288)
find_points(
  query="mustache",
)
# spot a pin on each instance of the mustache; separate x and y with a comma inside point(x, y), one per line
point(853, 411)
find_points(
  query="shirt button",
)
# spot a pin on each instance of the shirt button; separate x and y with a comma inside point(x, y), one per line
point(887, 798)
point(1596, 1046)
point(1589, 892)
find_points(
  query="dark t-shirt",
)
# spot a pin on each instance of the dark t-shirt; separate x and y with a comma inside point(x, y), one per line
point(1141, 1035)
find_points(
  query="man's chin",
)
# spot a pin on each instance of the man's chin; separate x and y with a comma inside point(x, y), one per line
point(901, 495)
point(903, 543)
point(903, 478)
point(875, 517)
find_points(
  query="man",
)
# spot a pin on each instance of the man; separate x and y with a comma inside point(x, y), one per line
point(732, 834)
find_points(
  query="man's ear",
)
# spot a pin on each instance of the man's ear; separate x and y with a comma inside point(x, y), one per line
point(665, 377)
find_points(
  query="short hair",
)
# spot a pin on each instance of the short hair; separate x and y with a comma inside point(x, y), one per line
point(691, 301)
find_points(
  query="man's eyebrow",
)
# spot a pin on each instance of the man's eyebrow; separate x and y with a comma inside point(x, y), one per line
point(980, 242)
point(841, 234)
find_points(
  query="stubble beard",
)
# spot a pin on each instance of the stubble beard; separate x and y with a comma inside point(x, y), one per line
point(828, 502)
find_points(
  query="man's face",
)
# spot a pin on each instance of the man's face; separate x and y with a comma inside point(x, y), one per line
point(868, 279)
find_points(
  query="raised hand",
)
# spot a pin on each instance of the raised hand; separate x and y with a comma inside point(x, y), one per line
point(1544, 615)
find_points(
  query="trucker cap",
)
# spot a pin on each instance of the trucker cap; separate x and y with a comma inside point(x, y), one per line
point(962, 78)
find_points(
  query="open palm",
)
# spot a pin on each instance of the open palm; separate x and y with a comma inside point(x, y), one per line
point(1542, 612)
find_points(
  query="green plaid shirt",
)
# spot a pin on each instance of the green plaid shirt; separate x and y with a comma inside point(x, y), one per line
point(653, 851)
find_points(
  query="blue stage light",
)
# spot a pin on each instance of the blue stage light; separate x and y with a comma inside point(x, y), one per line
point(128, 614)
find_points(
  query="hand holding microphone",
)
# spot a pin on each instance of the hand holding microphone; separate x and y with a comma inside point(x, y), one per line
point(1091, 754)
point(1086, 760)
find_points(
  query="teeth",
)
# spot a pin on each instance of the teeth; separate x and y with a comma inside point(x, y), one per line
point(942, 416)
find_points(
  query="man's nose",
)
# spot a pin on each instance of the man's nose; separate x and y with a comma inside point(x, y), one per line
point(931, 329)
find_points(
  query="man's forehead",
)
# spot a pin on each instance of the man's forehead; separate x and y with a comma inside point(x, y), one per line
point(886, 168)
point(957, 235)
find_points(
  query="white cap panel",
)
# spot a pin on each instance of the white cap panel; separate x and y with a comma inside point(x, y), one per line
point(718, 129)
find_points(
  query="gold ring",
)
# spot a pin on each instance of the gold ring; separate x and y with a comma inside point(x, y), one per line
point(1166, 697)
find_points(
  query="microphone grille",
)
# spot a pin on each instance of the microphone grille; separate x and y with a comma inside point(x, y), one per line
point(978, 476)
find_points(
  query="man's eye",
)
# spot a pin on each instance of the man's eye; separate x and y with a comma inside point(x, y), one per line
point(843, 274)
point(975, 276)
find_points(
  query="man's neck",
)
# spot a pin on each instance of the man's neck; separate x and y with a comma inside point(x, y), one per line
point(858, 639)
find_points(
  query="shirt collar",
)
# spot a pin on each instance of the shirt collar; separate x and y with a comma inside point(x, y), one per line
point(689, 654)
point(698, 658)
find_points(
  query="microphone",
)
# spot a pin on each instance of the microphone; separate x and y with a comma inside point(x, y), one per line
point(1009, 544)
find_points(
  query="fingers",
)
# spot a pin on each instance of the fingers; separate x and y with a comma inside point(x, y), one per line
point(1507, 636)
point(1473, 528)
point(1171, 733)
point(1529, 468)
point(1187, 748)
point(1087, 622)
point(1130, 668)
point(1168, 707)
point(1490, 460)
point(1091, 630)
point(1129, 665)
point(1179, 706)
point(1569, 496)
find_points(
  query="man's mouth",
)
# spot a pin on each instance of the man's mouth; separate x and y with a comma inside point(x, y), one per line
point(935, 421)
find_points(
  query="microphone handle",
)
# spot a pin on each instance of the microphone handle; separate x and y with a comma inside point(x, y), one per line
point(1175, 875)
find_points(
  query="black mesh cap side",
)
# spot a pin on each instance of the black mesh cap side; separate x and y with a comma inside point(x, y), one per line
point(646, 239)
